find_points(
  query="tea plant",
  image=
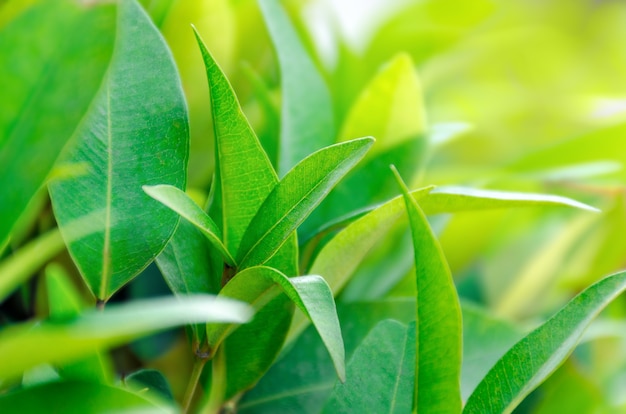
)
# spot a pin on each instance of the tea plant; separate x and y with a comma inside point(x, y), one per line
point(255, 268)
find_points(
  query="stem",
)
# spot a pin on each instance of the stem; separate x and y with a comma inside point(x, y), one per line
point(198, 365)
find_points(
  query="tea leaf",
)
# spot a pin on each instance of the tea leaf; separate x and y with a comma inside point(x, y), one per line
point(437, 385)
point(293, 199)
point(21, 345)
point(258, 285)
point(36, 77)
point(389, 351)
point(136, 134)
point(307, 123)
point(529, 362)
point(181, 203)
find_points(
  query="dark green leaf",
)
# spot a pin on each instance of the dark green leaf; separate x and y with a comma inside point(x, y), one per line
point(381, 373)
point(136, 134)
point(43, 61)
point(311, 294)
point(149, 380)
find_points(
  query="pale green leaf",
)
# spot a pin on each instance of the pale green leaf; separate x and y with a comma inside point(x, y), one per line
point(135, 134)
point(293, 199)
point(529, 362)
point(381, 373)
point(307, 121)
point(437, 385)
point(21, 345)
point(176, 199)
point(43, 61)
point(86, 398)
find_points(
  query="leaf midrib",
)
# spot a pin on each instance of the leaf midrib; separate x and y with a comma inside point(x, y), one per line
point(106, 258)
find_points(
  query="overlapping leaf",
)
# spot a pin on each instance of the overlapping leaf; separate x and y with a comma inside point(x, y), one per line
point(136, 134)
point(42, 62)
point(307, 123)
point(537, 355)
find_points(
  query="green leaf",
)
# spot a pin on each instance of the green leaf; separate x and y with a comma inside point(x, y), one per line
point(455, 199)
point(186, 262)
point(65, 303)
point(136, 134)
point(529, 362)
point(43, 61)
point(367, 185)
point(149, 380)
point(293, 199)
point(390, 107)
point(311, 294)
point(307, 123)
point(239, 187)
point(176, 199)
point(437, 385)
point(87, 398)
point(22, 347)
point(381, 373)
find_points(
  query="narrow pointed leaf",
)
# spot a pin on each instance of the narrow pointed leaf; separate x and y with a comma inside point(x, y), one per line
point(439, 349)
point(176, 199)
point(86, 398)
point(381, 373)
point(135, 134)
point(293, 199)
point(239, 187)
point(21, 346)
point(307, 123)
point(454, 199)
point(43, 61)
point(257, 285)
point(529, 362)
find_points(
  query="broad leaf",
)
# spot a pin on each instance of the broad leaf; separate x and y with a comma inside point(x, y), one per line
point(136, 134)
point(381, 373)
point(149, 380)
point(293, 199)
point(258, 285)
point(307, 116)
point(239, 188)
point(529, 362)
point(87, 398)
point(43, 61)
point(181, 203)
point(437, 384)
point(65, 303)
point(21, 345)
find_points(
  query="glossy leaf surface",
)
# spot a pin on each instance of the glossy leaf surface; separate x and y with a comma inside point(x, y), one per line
point(541, 352)
point(293, 199)
point(439, 344)
point(136, 134)
point(42, 62)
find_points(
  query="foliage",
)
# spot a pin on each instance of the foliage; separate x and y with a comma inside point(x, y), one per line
point(335, 234)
